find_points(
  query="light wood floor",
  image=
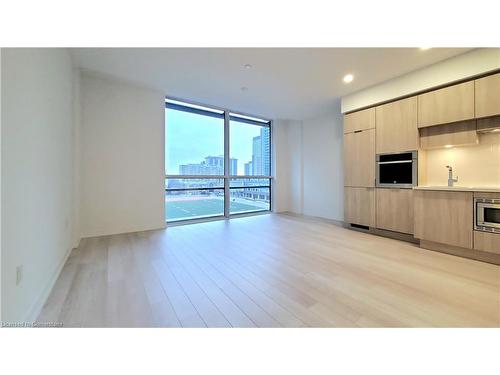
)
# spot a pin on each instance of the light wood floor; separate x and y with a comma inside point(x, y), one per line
point(269, 271)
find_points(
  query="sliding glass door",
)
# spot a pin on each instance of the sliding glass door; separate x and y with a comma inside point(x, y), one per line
point(218, 163)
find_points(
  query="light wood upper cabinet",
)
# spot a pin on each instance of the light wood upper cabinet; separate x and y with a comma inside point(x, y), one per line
point(359, 158)
point(444, 216)
point(360, 120)
point(394, 209)
point(359, 206)
point(397, 126)
point(449, 104)
point(487, 95)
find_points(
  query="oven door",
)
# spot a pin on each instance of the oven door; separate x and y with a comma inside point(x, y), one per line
point(396, 170)
point(487, 215)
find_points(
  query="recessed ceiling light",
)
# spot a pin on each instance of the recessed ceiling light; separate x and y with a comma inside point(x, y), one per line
point(247, 66)
point(244, 88)
point(348, 78)
point(424, 48)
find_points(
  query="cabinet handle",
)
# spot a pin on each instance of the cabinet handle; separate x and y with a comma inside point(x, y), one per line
point(395, 162)
point(358, 131)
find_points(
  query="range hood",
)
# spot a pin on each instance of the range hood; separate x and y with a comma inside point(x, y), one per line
point(488, 125)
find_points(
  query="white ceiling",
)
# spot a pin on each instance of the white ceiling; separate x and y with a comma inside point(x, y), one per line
point(286, 83)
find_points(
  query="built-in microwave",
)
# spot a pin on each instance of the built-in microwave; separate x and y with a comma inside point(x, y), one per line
point(487, 214)
point(397, 170)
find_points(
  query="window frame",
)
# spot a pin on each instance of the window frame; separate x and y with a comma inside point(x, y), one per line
point(228, 115)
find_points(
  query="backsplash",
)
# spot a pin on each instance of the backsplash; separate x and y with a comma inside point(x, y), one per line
point(474, 165)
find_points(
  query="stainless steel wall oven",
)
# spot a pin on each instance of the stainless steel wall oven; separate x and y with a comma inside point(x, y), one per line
point(397, 170)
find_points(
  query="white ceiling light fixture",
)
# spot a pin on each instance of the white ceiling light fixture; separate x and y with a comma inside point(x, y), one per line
point(244, 89)
point(247, 66)
point(348, 78)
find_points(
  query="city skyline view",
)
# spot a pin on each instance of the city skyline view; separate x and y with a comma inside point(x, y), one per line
point(259, 165)
point(195, 147)
point(194, 141)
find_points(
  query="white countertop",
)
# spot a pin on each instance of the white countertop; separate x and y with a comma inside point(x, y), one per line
point(479, 189)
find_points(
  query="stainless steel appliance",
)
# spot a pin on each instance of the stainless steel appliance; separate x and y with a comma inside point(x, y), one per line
point(487, 214)
point(397, 170)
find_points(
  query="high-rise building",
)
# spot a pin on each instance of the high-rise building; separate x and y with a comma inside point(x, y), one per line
point(215, 161)
point(212, 165)
point(257, 156)
point(266, 150)
point(248, 169)
point(233, 167)
point(261, 153)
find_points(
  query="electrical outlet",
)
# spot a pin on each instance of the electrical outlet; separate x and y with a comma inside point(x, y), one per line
point(19, 274)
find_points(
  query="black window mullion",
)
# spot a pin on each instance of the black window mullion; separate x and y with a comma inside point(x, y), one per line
point(227, 116)
point(197, 111)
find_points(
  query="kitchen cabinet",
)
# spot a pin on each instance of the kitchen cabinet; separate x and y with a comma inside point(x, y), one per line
point(487, 96)
point(456, 134)
point(489, 242)
point(394, 210)
point(396, 129)
point(360, 120)
point(445, 217)
point(446, 105)
point(359, 206)
point(359, 158)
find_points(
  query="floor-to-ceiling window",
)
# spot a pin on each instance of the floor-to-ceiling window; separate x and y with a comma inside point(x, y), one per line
point(218, 163)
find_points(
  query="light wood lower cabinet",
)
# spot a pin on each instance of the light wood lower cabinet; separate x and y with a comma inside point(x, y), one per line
point(359, 158)
point(359, 206)
point(489, 242)
point(443, 216)
point(394, 210)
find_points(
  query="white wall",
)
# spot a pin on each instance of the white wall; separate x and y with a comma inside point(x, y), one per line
point(1, 278)
point(323, 168)
point(454, 69)
point(309, 171)
point(37, 179)
point(296, 176)
point(280, 168)
point(76, 228)
point(122, 162)
point(287, 135)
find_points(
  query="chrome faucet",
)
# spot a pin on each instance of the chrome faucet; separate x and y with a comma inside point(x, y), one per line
point(451, 180)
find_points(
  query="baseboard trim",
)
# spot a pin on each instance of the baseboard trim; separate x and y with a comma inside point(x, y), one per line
point(371, 230)
point(309, 217)
point(126, 231)
point(463, 252)
point(394, 235)
point(37, 306)
point(77, 243)
point(473, 254)
point(407, 237)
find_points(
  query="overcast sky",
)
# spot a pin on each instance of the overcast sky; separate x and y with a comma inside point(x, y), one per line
point(191, 137)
